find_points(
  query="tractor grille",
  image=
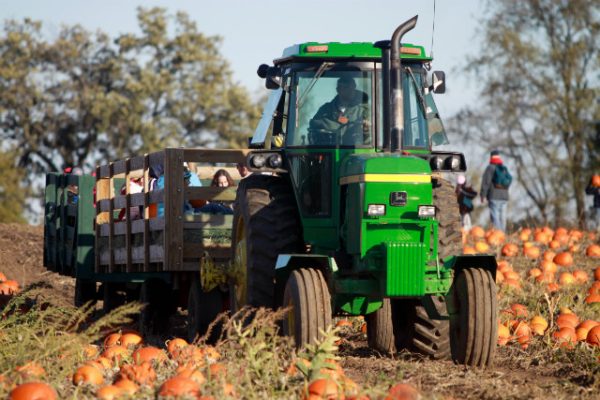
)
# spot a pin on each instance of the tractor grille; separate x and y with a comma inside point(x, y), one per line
point(405, 269)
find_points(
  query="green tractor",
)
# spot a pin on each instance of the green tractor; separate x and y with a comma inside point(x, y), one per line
point(346, 212)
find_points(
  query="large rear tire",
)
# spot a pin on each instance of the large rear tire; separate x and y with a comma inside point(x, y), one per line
point(380, 330)
point(473, 312)
point(307, 297)
point(266, 224)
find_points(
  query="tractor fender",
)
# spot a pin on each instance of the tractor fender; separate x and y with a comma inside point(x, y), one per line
point(485, 261)
point(286, 263)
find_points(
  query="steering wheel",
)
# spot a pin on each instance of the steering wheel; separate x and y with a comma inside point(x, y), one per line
point(322, 137)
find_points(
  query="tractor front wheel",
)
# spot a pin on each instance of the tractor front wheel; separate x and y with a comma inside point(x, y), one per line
point(307, 297)
point(473, 313)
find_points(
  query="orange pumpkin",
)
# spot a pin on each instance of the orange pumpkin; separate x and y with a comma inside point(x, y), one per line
point(178, 387)
point(116, 352)
point(564, 259)
point(510, 250)
point(593, 250)
point(130, 339)
point(477, 232)
point(503, 335)
point(323, 388)
point(568, 320)
point(148, 354)
point(31, 369)
point(596, 180)
point(142, 374)
point(110, 392)
point(175, 345)
point(580, 276)
point(534, 272)
point(113, 339)
point(9, 287)
point(597, 274)
point(531, 252)
point(565, 336)
point(566, 278)
point(403, 391)
point(127, 386)
point(592, 298)
point(593, 336)
point(33, 390)
point(548, 255)
point(88, 374)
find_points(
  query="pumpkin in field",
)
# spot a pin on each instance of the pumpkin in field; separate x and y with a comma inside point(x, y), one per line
point(9, 287)
point(110, 392)
point(403, 391)
point(564, 259)
point(477, 232)
point(142, 374)
point(593, 336)
point(593, 250)
point(565, 337)
point(127, 386)
point(532, 252)
point(88, 374)
point(33, 391)
point(597, 274)
point(179, 387)
point(510, 250)
point(148, 354)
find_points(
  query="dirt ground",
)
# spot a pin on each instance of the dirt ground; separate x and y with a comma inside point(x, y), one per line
point(516, 375)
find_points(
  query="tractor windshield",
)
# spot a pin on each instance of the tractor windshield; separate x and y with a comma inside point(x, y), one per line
point(334, 110)
point(415, 126)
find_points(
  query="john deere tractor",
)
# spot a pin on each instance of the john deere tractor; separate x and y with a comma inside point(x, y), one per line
point(346, 211)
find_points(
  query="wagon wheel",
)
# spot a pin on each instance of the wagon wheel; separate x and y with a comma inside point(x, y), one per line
point(203, 307)
point(158, 301)
point(307, 296)
point(85, 291)
point(380, 330)
point(473, 313)
point(112, 297)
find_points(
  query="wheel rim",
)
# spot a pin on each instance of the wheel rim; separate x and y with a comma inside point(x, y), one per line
point(240, 268)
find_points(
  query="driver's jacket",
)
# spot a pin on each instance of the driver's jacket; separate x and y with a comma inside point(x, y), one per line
point(346, 122)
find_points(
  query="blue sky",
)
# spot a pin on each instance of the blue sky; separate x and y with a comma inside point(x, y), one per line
point(256, 32)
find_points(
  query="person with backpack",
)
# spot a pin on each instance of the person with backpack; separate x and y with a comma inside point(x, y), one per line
point(494, 189)
point(465, 195)
point(593, 189)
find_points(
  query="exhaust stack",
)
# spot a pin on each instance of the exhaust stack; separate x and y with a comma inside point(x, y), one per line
point(393, 112)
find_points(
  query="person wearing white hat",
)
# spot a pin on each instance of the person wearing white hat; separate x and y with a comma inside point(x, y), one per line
point(465, 195)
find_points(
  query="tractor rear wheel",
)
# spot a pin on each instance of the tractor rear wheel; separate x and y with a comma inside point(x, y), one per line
point(266, 224)
point(112, 296)
point(416, 331)
point(380, 330)
point(473, 313)
point(307, 296)
point(202, 310)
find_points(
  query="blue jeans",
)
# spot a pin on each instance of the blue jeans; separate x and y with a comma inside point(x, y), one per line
point(498, 213)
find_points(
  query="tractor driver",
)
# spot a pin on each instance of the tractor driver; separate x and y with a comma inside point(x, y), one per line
point(345, 119)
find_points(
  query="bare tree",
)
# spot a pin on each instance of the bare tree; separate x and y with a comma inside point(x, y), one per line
point(538, 66)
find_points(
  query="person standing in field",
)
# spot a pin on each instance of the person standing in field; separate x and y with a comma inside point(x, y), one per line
point(494, 189)
point(465, 195)
point(593, 189)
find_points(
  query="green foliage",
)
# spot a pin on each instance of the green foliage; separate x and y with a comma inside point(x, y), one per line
point(321, 356)
point(81, 96)
point(12, 195)
point(51, 336)
point(538, 66)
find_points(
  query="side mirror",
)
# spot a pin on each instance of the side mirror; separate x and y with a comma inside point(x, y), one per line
point(438, 84)
point(273, 80)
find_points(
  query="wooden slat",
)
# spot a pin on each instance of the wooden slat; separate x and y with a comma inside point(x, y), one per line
point(204, 221)
point(136, 199)
point(119, 167)
point(210, 193)
point(103, 205)
point(196, 250)
point(103, 171)
point(156, 196)
point(136, 164)
point(215, 155)
point(173, 237)
point(120, 201)
point(155, 224)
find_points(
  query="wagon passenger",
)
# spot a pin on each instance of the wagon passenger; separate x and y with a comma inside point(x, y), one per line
point(221, 178)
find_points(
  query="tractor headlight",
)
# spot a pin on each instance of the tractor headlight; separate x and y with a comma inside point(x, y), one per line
point(453, 163)
point(275, 160)
point(258, 161)
point(376, 210)
point(426, 211)
point(436, 163)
